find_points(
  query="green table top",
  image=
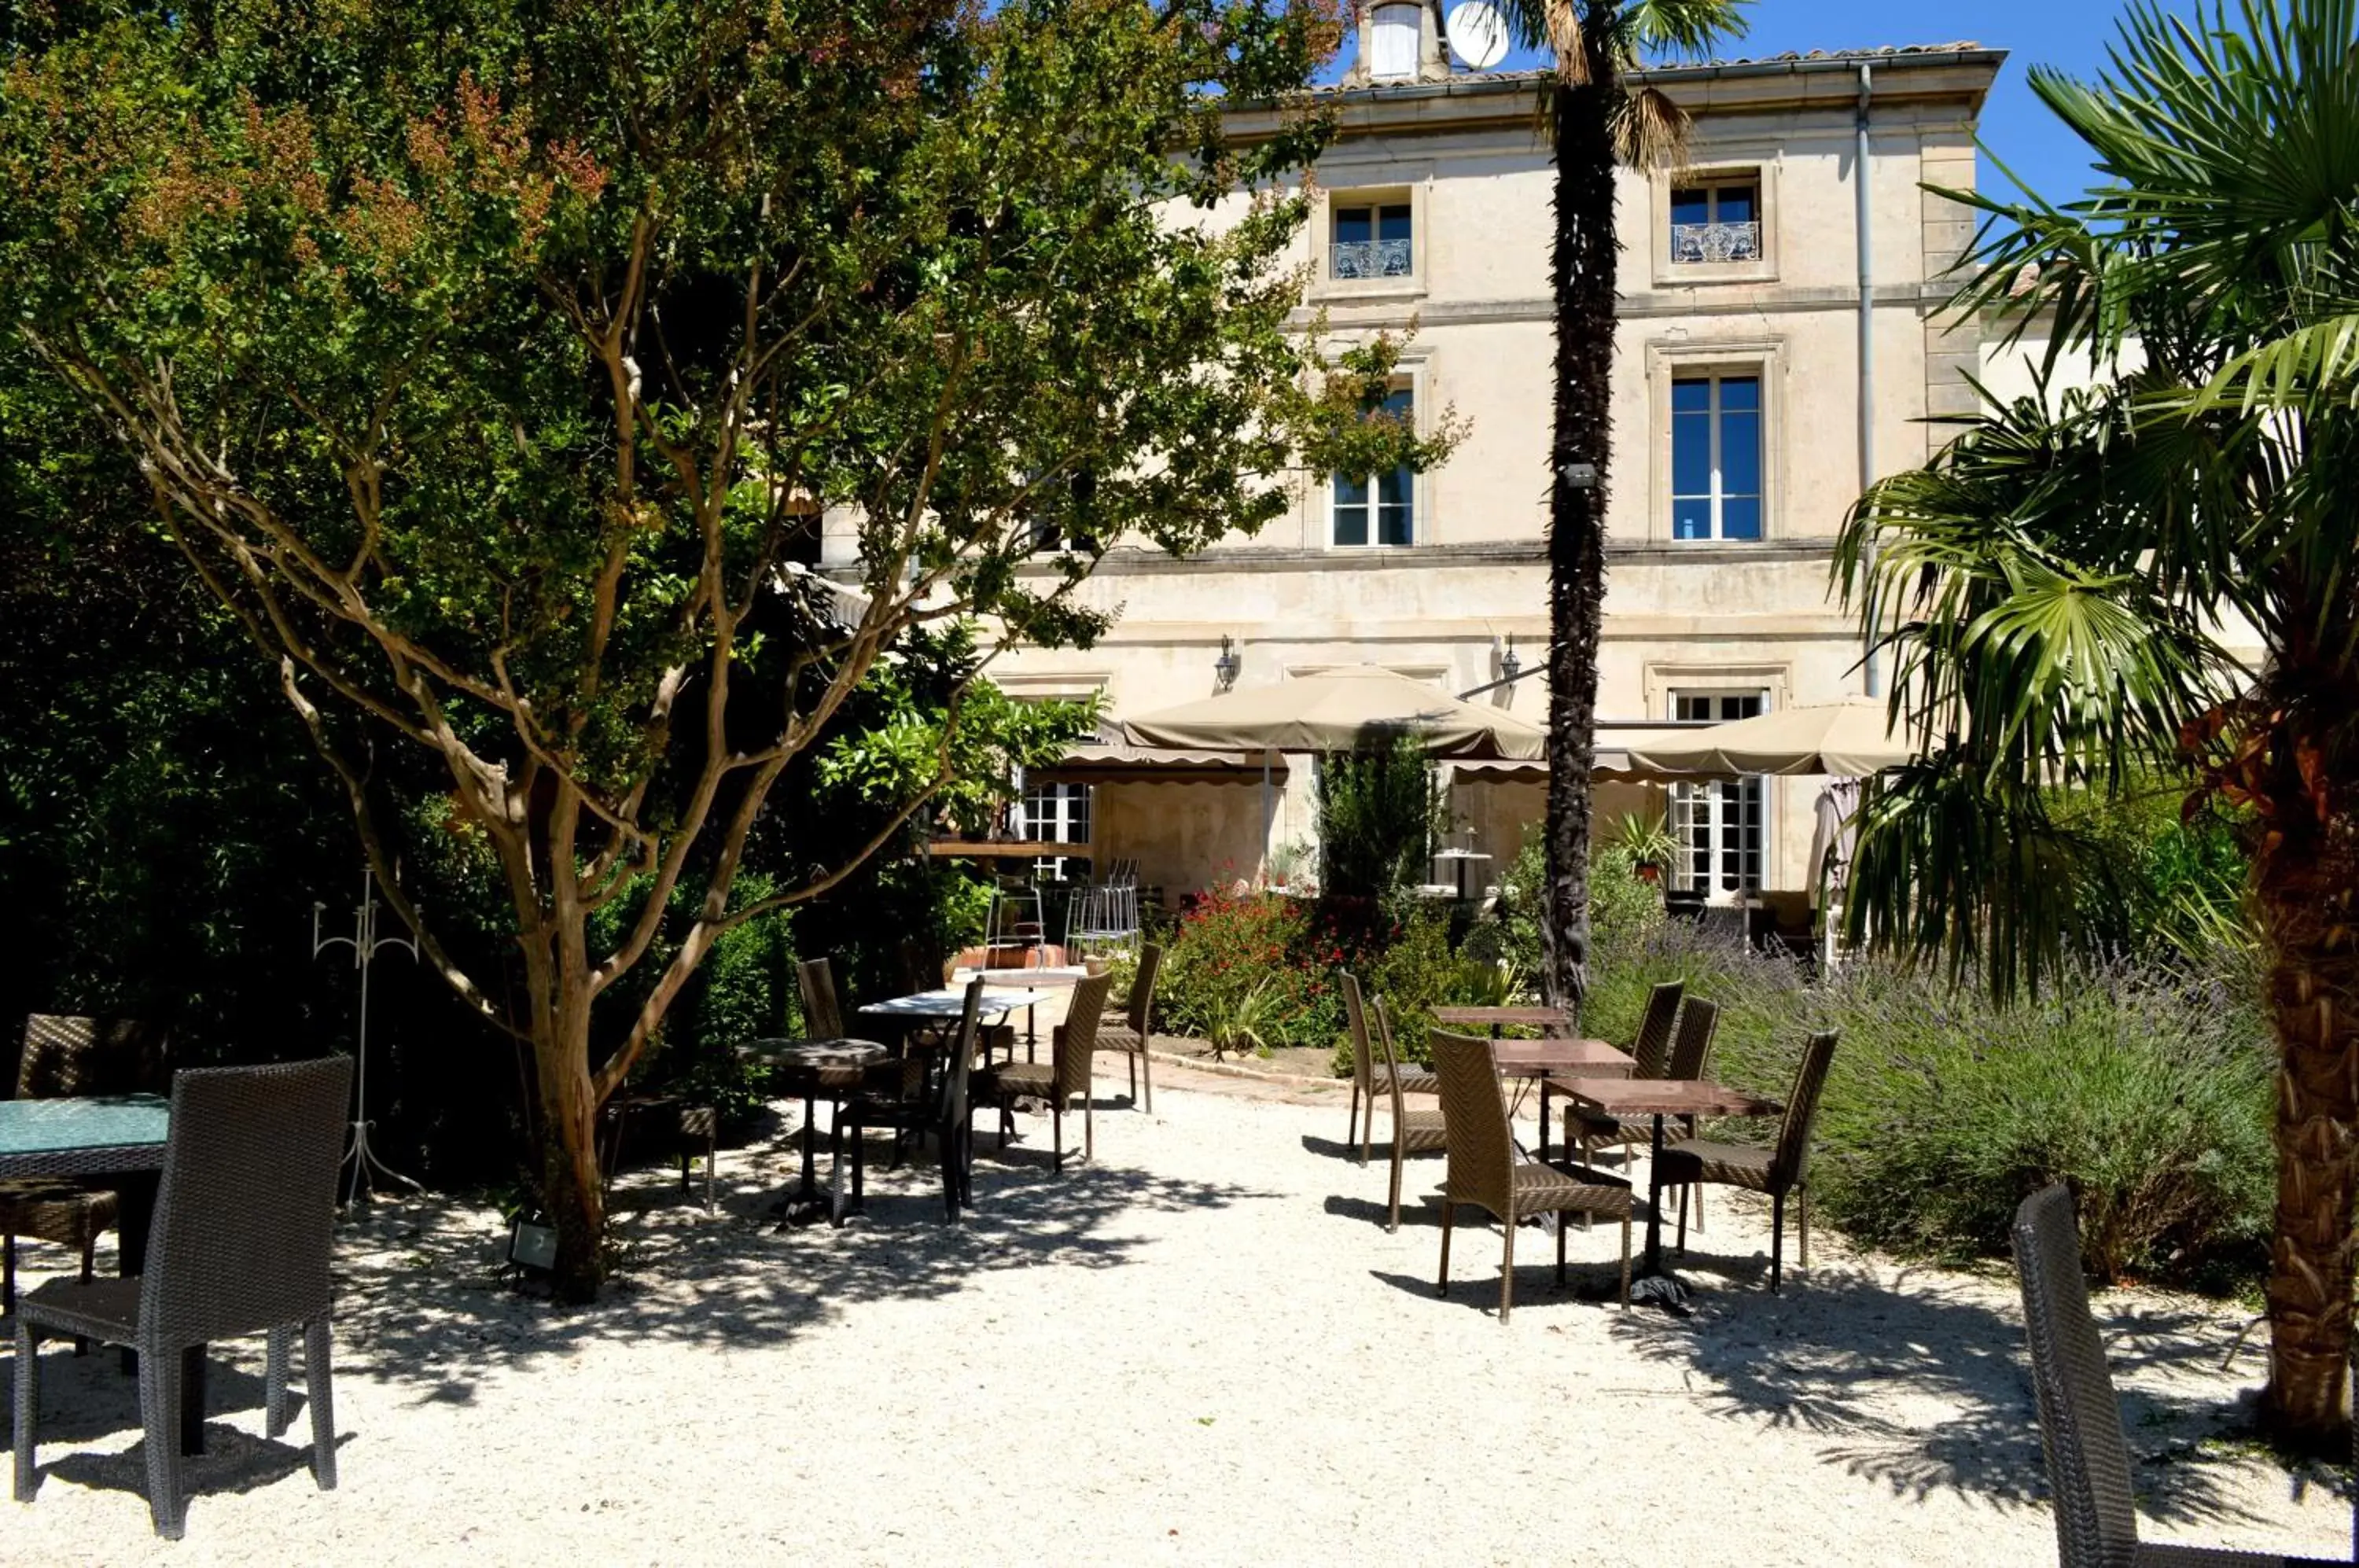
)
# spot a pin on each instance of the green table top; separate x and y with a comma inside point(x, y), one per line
point(103, 1121)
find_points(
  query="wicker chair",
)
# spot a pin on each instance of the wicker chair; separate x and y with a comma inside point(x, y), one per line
point(244, 1224)
point(1073, 1050)
point(1414, 1132)
point(1126, 1027)
point(683, 1127)
point(944, 1113)
point(1365, 1085)
point(1593, 1130)
point(1690, 1059)
point(1779, 1171)
point(1485, 1171)
point(2080, 1421)
point(65, 1057)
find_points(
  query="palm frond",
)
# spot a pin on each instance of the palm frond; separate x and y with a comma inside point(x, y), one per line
point(1649, 130)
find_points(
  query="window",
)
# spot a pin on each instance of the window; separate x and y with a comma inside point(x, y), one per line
point(1393, 37)
point(1381, 508)
point(1370, 240)
point(1716, 224)
point(1056, 813)
point(1716, 457)
point(1721, 825)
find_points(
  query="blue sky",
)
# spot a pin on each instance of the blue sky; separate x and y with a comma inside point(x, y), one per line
point(2070, 33)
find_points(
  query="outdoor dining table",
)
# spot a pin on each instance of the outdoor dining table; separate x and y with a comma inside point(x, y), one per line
point(818, 1067)
point(1550, 1061)
point(1660, 1097)
point(120, 1137)
point(949, 1002)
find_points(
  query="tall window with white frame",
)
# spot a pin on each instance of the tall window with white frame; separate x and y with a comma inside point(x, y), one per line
point(1057, 813)
point(1723, 826)
point(1716, 457)
point(1379, 508)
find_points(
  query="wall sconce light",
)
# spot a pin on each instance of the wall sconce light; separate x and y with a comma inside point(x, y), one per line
point(1225, 668)
point(1510, 667)
point(1579, 475)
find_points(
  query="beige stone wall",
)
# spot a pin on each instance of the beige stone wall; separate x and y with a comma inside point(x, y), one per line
point(1680, 614)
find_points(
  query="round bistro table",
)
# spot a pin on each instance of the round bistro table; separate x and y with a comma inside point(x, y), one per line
point(821, 1069)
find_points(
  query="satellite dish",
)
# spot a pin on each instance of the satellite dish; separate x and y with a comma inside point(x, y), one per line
point(1478, 34)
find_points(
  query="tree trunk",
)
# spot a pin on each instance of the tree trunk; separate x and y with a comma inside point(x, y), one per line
point(571, 1188)
point(2306, 896)
point(1582, 274)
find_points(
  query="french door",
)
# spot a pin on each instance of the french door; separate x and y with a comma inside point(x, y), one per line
point(1723, 826)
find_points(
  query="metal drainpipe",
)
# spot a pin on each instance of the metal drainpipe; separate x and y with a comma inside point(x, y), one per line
point(1870, 664)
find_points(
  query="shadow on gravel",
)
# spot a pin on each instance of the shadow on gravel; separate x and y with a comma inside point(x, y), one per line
point(422, 1305)
point(1925, 1387)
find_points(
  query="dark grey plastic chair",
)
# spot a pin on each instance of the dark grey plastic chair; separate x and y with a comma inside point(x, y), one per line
point(244, 1224)
point(2080, 1421)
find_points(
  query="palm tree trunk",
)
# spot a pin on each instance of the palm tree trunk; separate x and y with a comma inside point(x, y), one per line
point(1582, 274)
point(2306, 895)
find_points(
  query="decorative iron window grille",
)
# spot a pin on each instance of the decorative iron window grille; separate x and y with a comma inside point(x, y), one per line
point(1693, 244)
point(1369, 258)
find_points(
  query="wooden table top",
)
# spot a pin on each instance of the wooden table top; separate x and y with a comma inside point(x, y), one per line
point(1668, 1097)
point(1539, 1018)
point(1552, 1058)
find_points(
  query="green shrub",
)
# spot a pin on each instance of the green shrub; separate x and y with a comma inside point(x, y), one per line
point(1623, 905)
point(1229, 945)
point(2150, 1093)
point(1379, 813)
point(2146, 1090)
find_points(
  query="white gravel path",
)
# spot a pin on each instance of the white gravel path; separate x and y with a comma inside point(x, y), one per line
point(1203, 1349)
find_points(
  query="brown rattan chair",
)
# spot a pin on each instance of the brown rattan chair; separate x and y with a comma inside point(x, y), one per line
point(244, 1224)
point(1593, 1130)
point(1485, 1171)
point(2080, 1420)
point(1414, 1132)
point(1780, 1170)
point(63, 1057)
point(1365, 1085)
point(1126, 1028)
point(1690, 1059)
point(1066, 1073)
point(943, 1113)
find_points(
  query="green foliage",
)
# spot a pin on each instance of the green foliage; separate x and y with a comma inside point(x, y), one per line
point(2144, 1086)
point(2150, 1093)
point(926, 712)
point(1646, 840)
point(1379, 816)
point(495, 375)
point(2053, 584)
point(1228, 945)
point(1237, 1017)
point(1621, 902)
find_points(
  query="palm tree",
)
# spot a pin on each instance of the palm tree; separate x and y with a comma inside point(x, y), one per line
point(1598, 120)
point(2067, 578)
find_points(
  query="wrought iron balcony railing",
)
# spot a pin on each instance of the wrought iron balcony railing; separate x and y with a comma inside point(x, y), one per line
point(1369, 258)
point(1693, 244)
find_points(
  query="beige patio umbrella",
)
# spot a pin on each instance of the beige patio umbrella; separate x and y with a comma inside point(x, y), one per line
point(1337, 711)
point(1850, 738)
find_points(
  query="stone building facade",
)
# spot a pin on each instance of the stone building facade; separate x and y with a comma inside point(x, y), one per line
point(1738, 393)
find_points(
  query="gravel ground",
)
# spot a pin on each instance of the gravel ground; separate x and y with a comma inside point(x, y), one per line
point(1202, 1348)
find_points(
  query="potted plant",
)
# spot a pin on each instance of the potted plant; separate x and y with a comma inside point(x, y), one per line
point(1648, 842)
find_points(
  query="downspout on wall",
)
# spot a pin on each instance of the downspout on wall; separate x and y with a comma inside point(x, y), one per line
point(1870, 664)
